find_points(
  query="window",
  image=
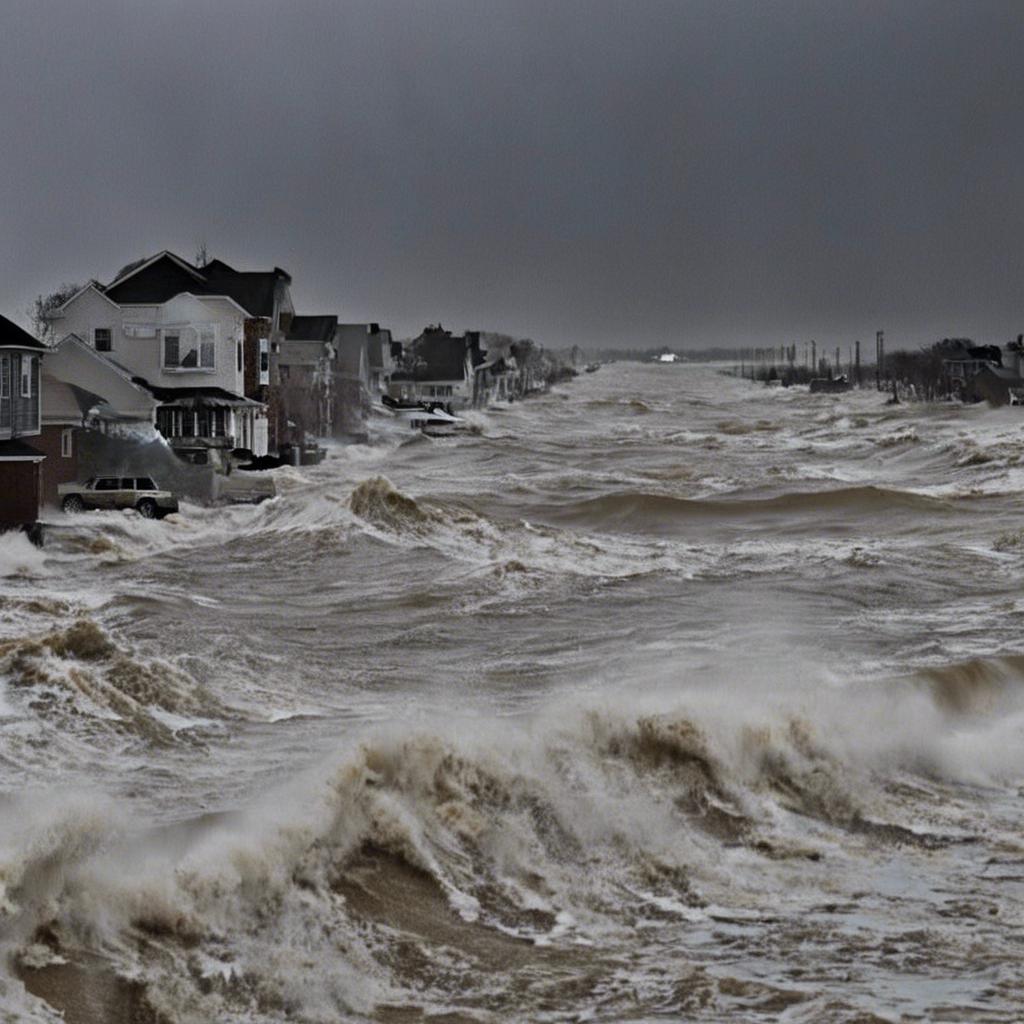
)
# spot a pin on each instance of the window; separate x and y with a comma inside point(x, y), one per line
point(144, 483)
point(101, 338)
point(127, 483)
point(190, 348)
point(264, 360)
point(26, 376)
point(108, 483)
point(207, 350)
point(5, 376)
point(172, 356)
point(66, 450)
point(239, 347)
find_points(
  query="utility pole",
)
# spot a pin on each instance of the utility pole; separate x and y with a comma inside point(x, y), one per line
point(814, 357)
point(879, 358)
point(857, 363)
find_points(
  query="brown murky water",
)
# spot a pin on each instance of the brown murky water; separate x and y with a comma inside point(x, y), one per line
point(665, 696)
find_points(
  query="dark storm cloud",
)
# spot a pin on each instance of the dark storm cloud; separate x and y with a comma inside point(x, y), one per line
point(611, 173)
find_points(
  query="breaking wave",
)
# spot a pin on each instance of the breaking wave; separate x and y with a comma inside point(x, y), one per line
point(471, 870)
point(77, 680)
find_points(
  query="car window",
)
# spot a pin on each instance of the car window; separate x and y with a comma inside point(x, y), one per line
point(143, 483)
point(127, 483)
point(108, 483)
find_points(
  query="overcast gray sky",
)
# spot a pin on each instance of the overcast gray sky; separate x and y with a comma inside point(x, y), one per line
point(632, 173)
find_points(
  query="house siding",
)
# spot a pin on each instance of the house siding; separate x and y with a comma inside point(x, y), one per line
point(19, 416)
point(58, 468)
point(137, 336)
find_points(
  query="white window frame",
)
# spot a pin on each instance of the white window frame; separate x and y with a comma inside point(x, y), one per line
point(67, 443)
point(26, 376)
point(206, 341)
point(95, 342)
point(200, 340)
point(5, 376)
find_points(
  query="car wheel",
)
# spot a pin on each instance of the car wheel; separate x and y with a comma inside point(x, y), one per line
point(73, 503)
point(147, 508)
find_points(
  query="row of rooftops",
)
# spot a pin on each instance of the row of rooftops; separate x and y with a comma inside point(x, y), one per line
point(158, 279)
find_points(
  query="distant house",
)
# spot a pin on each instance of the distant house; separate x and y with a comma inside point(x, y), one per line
point(380, 347)
point(996, 385)
point(962, 359)
point(494, 380)
point(352, 381)
point(20, 418)
point(306, 370)
point(200, 339)
point(439, 365)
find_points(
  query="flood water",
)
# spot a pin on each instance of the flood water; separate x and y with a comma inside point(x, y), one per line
point(665, 696)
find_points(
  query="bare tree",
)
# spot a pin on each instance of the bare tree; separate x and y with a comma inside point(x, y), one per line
point(40, 310)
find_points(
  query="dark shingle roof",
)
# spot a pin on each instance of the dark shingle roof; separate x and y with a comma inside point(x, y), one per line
point(193, 397)
point(253, 290)
point(13, 336)
point(169, 275)
point(160, 281)
point(312, 328)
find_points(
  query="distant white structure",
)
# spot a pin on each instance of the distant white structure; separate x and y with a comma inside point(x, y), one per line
point(668, 357)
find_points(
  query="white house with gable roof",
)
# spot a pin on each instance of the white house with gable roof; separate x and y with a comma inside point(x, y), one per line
point(187, 351)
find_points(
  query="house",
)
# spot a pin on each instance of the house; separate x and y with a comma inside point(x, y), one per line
point(201, 340)
point(89, 405)
point(351, 381)
point(380, 347)
point(962, 359)
point(306, 371)
point(496, 375)
point(20, 419)
point(997, 385)
point(494, 380)
point(438, 366)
